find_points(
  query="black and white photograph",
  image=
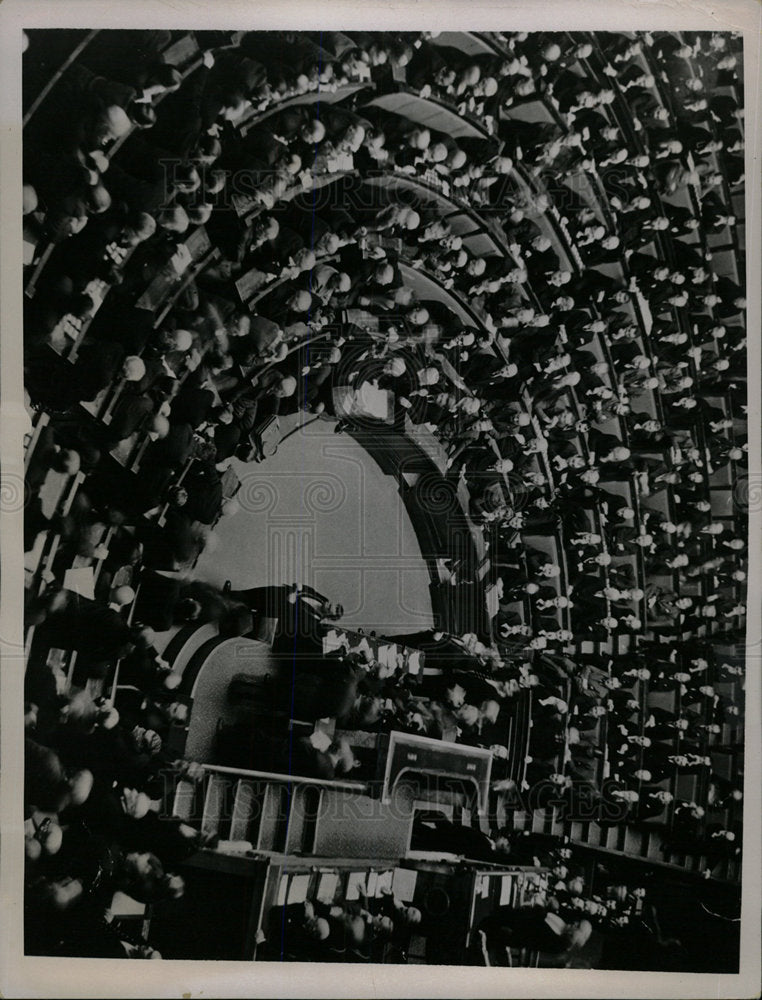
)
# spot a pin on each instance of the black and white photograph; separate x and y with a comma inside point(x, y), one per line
point(389, 457)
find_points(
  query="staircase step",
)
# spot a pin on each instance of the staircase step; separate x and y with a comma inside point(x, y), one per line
point(654, 844)
point(633, 841)
point(216, 814)
point(577, 831)
point(184, 805)
point(312, 802)
point(557, 823)
point(547, 826)
point(186, 642)
point(594, 834)
point(247, 811)
point(612, 837)
point(522, 820)
point(297, 821)
point(271, 835)
point(164, 639)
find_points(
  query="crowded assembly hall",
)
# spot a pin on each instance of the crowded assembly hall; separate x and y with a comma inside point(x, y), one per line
point(506, 273)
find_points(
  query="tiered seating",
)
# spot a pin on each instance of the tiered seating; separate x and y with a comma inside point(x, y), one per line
point(376, 232)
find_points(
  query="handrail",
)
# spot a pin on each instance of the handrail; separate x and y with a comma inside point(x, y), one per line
point(445, 105)
point(451, 293)
point(330, 97)
point(350, 786)
point(459, 205)
point(56, 77)
point(192, 65)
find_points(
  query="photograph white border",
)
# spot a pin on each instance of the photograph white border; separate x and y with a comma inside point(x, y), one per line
point(42, 977)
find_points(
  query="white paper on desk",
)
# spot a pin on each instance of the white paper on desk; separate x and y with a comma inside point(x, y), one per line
point(320, 740)
point(493, 601)
point(370, 401)
point(370, 889)
point(298, 889)
point(343, 161)
point(355, 882)
point(414, 663)
point(81, 581)
point(181, 259)
point(56, 659)
point(53, 491)
point(95, 289)
point(329, 882)
point(506, 889)
point(362, 646)
point(384, 883)
point(331, 641)
point(387, 655)
point(125, 906)
point(282, 889)
point(32, 558)
point(403, 884)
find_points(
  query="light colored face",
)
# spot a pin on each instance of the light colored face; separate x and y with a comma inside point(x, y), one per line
point(456, 696)
point(317, 928)
point(177, 711)
point(468, 714)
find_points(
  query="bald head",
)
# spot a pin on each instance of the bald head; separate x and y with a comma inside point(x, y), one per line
point(180, 340)
point(314, 132)
point(384, 274)
point(304, 259)
point(199, 214)
point(29, 199)
point(100, 199)
point(159, 427)
point(174, 219)
point(300, 301)
point(286, 387)
point(117, 121)
point(133, 369)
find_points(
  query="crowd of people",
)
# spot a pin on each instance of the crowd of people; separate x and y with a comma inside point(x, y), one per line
point(247, 233)
point(364, 930)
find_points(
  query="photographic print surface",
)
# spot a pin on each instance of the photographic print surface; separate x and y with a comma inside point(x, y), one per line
point(386, 491)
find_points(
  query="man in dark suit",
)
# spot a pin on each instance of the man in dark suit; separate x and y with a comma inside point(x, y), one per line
point(530, 927)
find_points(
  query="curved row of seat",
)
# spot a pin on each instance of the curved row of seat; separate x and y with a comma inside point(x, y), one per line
point(530, 225)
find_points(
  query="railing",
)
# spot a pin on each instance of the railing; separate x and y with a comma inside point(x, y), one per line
point(288, 779)
point(75, 53)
